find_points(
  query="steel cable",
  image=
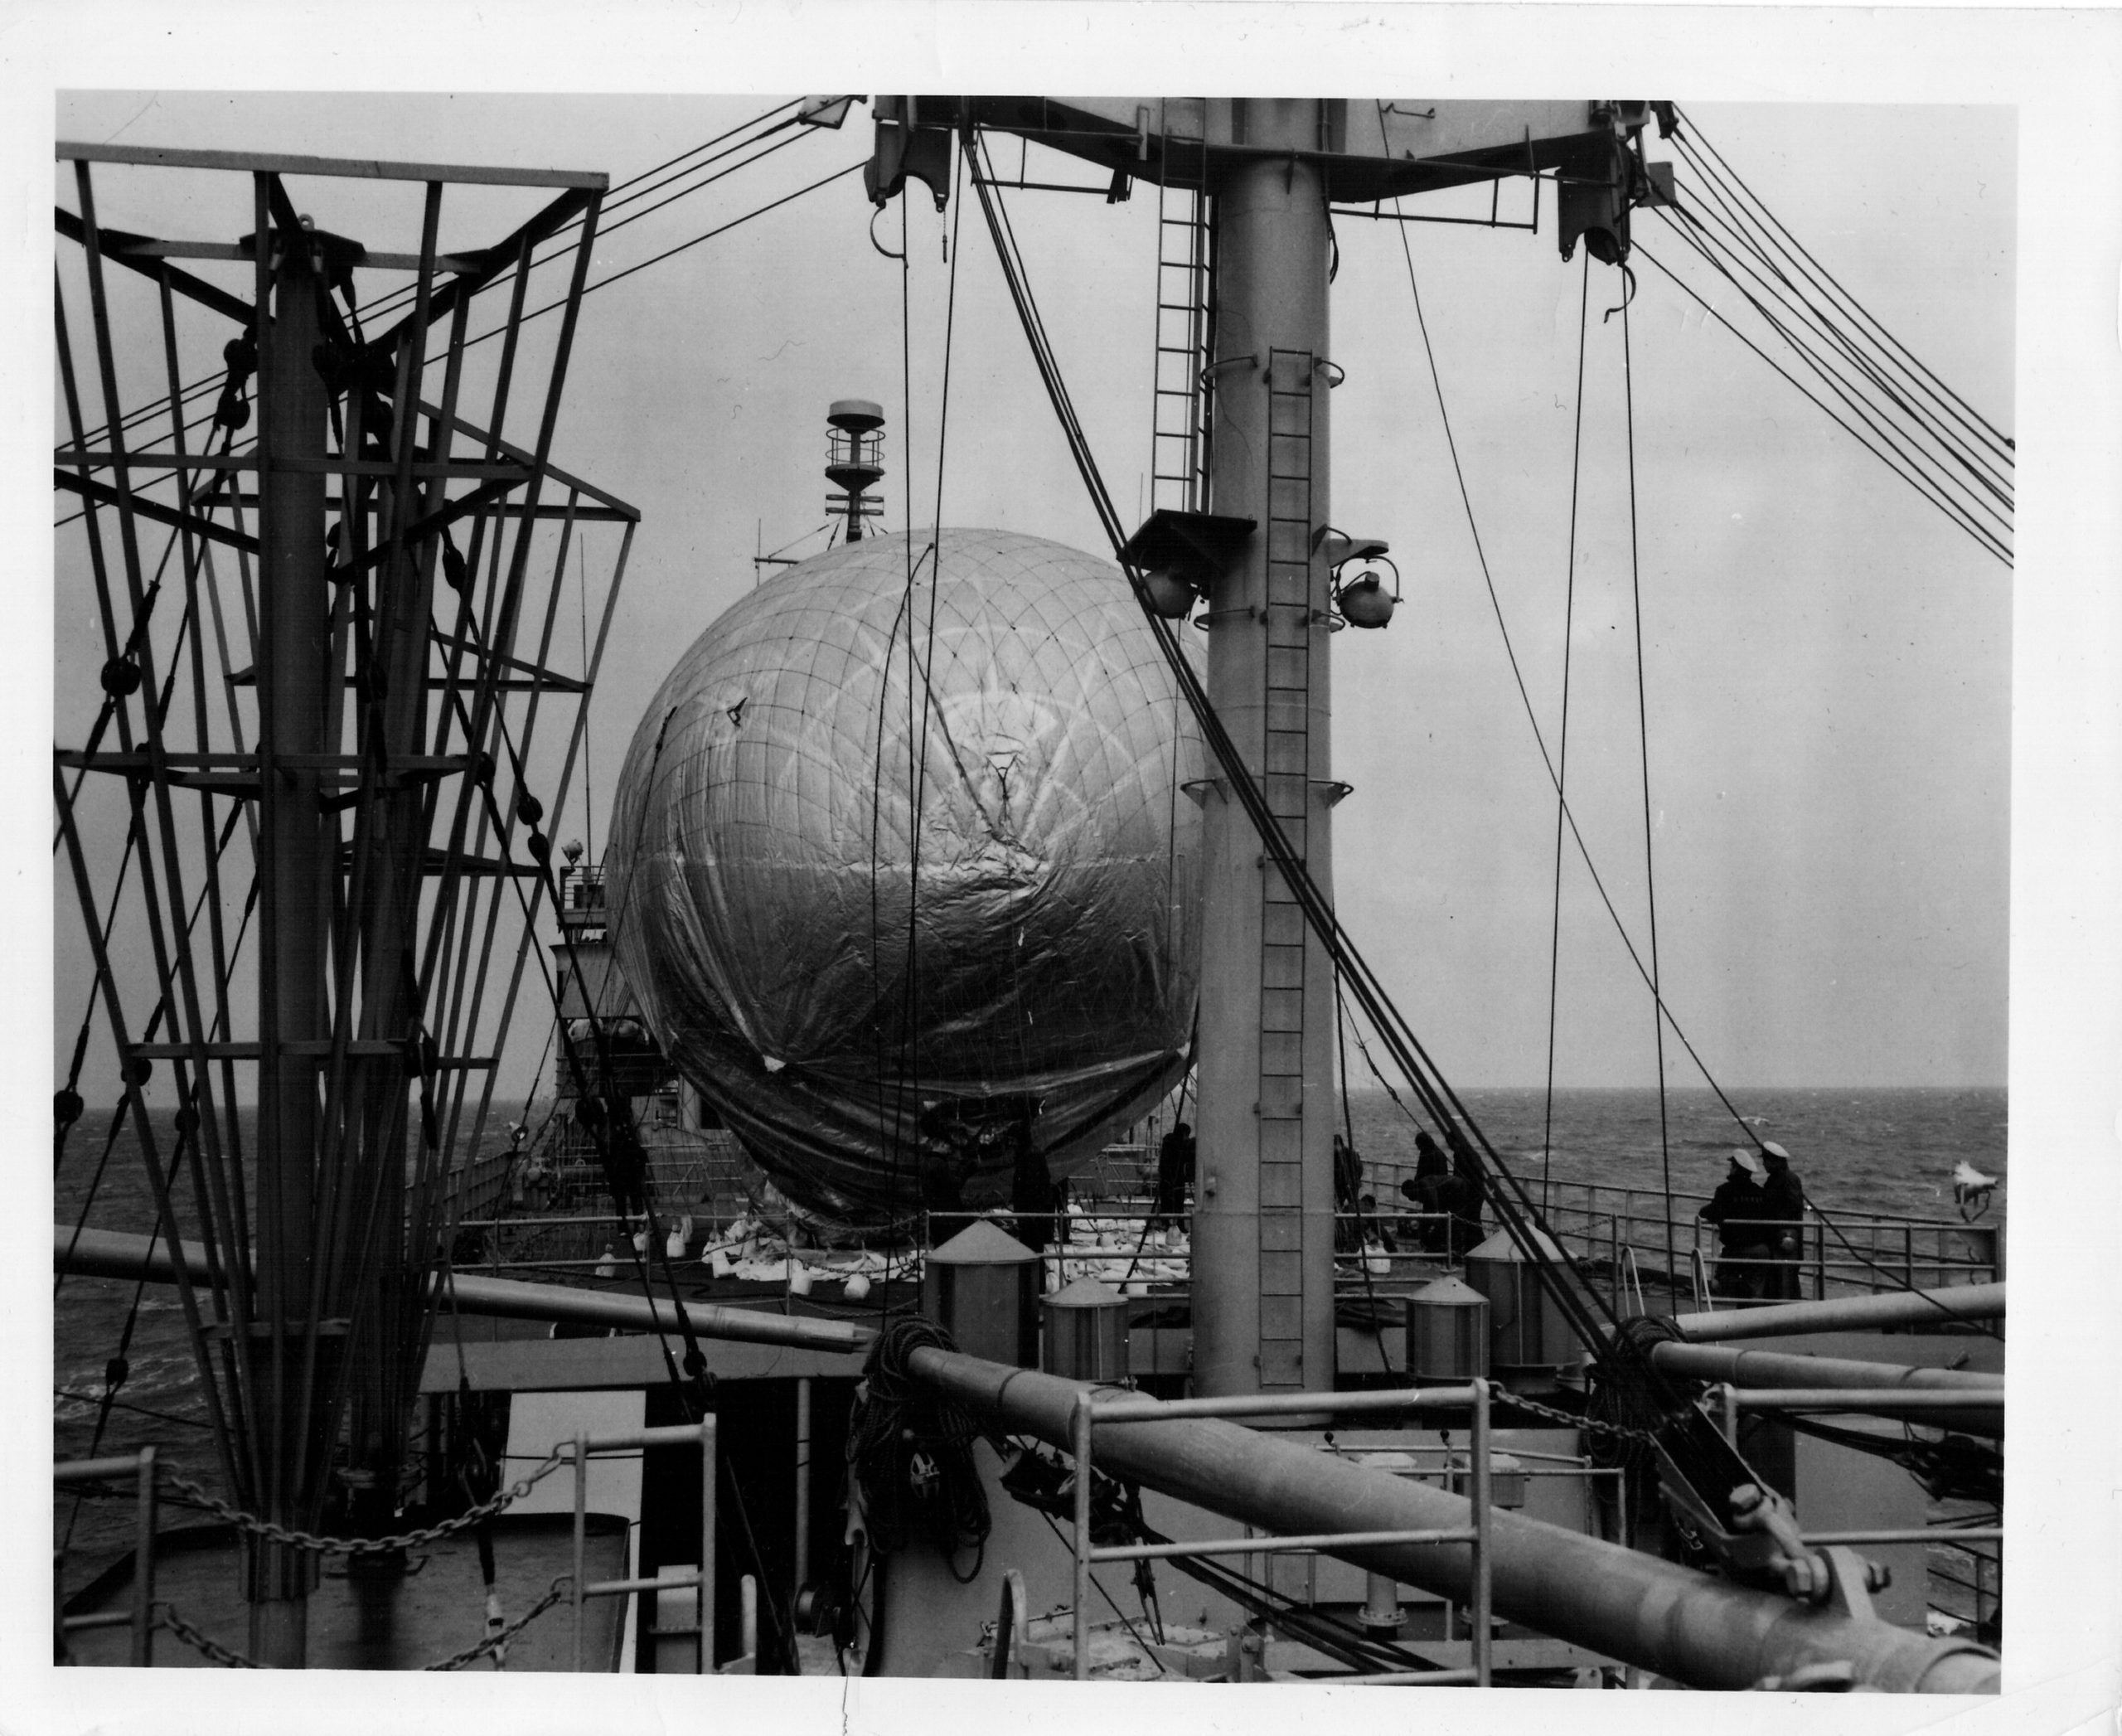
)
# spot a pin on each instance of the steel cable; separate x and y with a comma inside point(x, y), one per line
point(1562, 743)
point(1997, 435)
point(1513, 1204)
point(1914, 465)
point(1982, 538)
point(1738, 242)
point(393, 298)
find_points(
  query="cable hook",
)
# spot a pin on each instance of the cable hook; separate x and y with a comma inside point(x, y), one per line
point(1628, 295)
point(875, 242)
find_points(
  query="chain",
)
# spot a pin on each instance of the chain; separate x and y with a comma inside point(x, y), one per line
point(212, 1650)
point(496, 1642)
point(365, 1545)
point(1592, 1425)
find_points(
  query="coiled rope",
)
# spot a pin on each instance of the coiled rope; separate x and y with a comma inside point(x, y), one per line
point(911, 1453)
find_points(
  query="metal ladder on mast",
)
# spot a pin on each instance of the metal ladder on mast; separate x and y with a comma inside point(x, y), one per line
point(1185, 332)
point(1286, 783)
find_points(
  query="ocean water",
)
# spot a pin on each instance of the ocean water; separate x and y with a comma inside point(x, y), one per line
point(1887, 1152)
point(160, 1402)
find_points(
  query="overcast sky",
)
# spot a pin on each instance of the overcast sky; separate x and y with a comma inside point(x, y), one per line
point(1827, 659)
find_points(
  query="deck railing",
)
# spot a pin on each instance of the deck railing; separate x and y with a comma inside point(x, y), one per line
point(139, 1615)
point(1616, 1234)
point(581, 1588)
point(1620, 1237)
point(1840, 1253)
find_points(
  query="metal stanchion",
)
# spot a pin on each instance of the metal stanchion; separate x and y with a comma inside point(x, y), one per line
point(1080, 1425)
point(802, 1549)
point(143, 1565)
point(1482, 1510)
point(577, 1586)
point(709, 1449)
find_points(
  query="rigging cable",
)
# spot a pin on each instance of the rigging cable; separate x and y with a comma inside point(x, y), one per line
point(1642, 741)
point(1747, 239)
point(1704, 1460)
point(683, 246)
point(1067, 1545)
point(160, 1416)
point(601, 1131)
point(1981, 537)
point(604, 282)
point(1573, 1299)
point(392, 298)
point(1874, 350)
point(1664, 1009)
point(1349, 1134)
point(117, 1369)
point(887, 1123)
point(1997, 434)
point(589, 801)
point(1561, 767)
point(1934, 488)
point(1525, 699)
point(919, 770)
point(1724, 233)
point(909, 1057)
point(690, 1387)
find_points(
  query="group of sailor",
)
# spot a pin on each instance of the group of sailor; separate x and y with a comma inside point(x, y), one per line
point(1760, 1215)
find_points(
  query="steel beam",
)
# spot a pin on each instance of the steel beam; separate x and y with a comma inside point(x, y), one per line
point(357, 168)
point(112, 1254)
point(1854, 1313)
point(1772, 1369)
point(295, 914)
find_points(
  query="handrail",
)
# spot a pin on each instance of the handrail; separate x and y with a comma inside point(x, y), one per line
point(1088, 1414)
point(1842, 1215)
point(581, 1589)
point(141, 1617)
point(1638, 1609)
point(1635, 1277)
point(1970, 1412)
point(1605, 1222)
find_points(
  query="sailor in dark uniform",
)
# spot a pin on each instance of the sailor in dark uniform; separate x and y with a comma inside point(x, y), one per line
point(1784, 1198)
point(1426, 1190)
point(1348, 1195)
point(1175, 1159)
point(1738, 1208)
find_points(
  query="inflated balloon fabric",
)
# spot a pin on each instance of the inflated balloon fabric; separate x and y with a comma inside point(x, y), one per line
point(905, 878)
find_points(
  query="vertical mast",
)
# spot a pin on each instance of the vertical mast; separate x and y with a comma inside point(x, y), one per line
point(295, 907)
point(1263, 1226)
